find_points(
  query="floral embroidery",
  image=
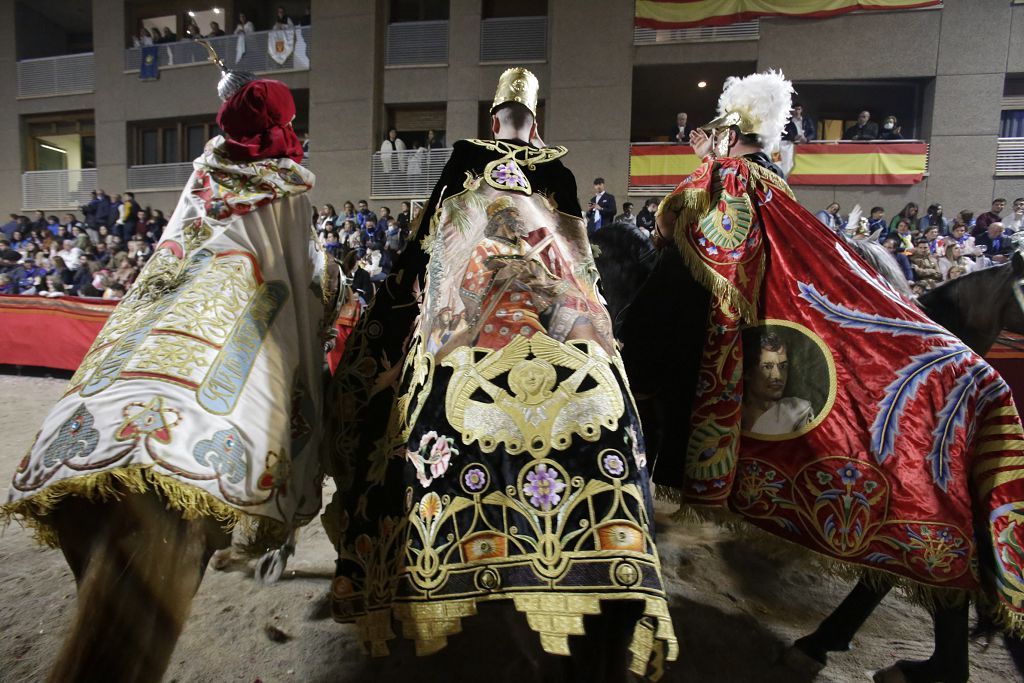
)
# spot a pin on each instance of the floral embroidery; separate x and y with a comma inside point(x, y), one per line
point(543, 488)
point(475, 479)
point(509, 175)
point(430, 506)
point(434, 455)
point(613, 465)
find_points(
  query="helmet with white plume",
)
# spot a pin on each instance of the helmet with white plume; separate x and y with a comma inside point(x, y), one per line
point(758, 104)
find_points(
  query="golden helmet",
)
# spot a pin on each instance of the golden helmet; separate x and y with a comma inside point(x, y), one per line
point(517, 85)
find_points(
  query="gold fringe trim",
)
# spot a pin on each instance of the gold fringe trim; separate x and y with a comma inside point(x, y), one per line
point(112, 485)
point(923, 595)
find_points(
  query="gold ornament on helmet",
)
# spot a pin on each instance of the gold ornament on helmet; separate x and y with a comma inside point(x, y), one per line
point(758, 104)
point(517, 85)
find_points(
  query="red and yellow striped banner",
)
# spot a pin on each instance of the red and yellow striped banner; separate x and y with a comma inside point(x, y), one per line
point(49, 333)
point(668, 14)
point(829, 163)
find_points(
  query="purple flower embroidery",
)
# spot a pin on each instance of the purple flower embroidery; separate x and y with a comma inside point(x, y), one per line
point(475, 479)
point(543, 487)
point(613, 465)
point(849, 475)
point(508, 175)
point(713, 250)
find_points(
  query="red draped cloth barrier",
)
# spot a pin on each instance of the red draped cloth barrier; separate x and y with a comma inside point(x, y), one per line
point(49, 333)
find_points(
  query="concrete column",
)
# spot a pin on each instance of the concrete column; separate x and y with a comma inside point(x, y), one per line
point(591, 63)
point(464, 74)
point(345, 87)
point(108, 30)
point(10, 129)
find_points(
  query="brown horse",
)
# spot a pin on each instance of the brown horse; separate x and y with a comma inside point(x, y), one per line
point(975, 308)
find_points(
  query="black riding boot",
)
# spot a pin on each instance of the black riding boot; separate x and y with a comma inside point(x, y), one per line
point(837, 630)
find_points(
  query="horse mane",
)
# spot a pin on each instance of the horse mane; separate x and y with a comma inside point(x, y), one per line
point(625, 257)
point(624, 239)
point(879, 258)
point(968, 306)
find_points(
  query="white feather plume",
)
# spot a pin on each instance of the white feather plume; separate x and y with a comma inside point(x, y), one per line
point(764, 100)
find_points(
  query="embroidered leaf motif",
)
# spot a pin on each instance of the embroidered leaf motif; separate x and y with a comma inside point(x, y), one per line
point(869, 322)
point(951, 418)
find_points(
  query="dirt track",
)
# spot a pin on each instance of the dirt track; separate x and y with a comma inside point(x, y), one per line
point(734, 608)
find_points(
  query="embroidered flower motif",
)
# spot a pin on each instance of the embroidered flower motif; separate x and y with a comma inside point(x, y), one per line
point(543, 487)
point(434, 456)
point(613, 465)
point(735, 254)
point(712, 249)
point(475, 479)
point(509, 175)
point(849, 475)
point(639, 452)
point(430, 506)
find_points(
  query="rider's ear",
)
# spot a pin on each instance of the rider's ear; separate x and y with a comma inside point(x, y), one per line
point(1018, 264)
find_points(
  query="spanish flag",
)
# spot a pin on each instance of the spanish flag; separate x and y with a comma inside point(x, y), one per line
point(669, 14)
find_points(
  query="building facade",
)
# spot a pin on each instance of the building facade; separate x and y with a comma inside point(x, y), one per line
point(77, 116)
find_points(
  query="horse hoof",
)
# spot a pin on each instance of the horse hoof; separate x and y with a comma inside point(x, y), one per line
point(270, 567)
point(222, 559)
point(797, 660)
point(891, 674)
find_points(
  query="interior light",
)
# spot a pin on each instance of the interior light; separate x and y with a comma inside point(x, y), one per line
point(216, 10)
point(52, 148)
point(702, 84)
point(192, 14)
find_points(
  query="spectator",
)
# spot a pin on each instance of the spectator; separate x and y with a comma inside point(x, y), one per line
point(645, 219)
point(799, 129)
point(989, 217)
point(70, 253)
point(115, 291)
point(364, 213)
point(877, 223)
point(282, 20)
point(416, 159)
point(627, 215)
point(143, 39)
point(903, 236)
point(958, 235)
point(244, 25)
point(433, 142)
point(104, 212)
point(933, 219)
point(307, 18)
point(935, 246)
point(348, 213)
point(955, 272)
point(53, 225)
point(53, 288)
point(953, 257)
point(10, 226)
point(1015, 221)
point(391, 157)
point(601, 209)
point(63, 274)
point(331, 244)
point(997, 247)
point(327, 218)
point(891, 130)
point(404, 217)
point(907, 213)
point(102, 254)
point(215, 30)
point(7, 285)
point(192, 30)
point(393, 237)
point(169, 36)
point(925, 266)
point(154, 33)
point(864, 129)
point(680, 132)
point(38, 221)
point(829, 217)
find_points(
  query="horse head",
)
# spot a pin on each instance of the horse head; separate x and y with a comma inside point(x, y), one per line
point(625, 257)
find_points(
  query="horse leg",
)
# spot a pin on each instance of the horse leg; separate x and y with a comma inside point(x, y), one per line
point(603, 655)
point(137, 565)
point(837, 630)
point(949, 662)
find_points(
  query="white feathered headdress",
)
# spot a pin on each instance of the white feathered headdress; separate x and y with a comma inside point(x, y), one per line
point(758, 103)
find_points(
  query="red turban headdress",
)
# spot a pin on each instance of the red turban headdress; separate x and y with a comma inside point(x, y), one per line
point(256, 122)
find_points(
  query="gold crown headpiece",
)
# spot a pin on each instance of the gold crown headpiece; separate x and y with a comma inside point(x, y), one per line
point(517, 85)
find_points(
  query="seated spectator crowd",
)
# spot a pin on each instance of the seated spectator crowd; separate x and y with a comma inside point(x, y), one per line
point(99, 256)
point(931, 248)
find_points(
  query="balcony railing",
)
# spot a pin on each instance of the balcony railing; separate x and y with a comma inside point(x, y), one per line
point(63, 75)
point(417, 43)
point(1010, 157)
point(244, 53)
point(150, 177)
point(411, 174)
point(514, 39)
point(656, 168)
point(745, 30)
point(54, 190)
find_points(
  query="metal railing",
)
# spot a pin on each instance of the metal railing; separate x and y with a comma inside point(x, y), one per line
point(416, 43)
point(63, 75)
point(164, 176)
point(411, 173)
point(1010, 157)
point(53, 190)
point(244, 53)
point(744, 30)
point(514, 39)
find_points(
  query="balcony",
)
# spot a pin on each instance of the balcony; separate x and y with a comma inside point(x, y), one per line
point(744, 30)
point(63, 75)
point(656, 168)
point(413, 174)
point(514, 39)
point(416, 43)
point(57, 190)
point(243, 53)
point(163, 177)
point(1010, 157)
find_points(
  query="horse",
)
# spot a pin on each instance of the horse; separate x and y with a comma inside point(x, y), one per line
point(974, 307)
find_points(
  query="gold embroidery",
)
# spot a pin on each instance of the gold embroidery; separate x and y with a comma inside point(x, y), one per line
point(539, 412)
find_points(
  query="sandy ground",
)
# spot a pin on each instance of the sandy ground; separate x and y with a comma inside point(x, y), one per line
point(734, 606)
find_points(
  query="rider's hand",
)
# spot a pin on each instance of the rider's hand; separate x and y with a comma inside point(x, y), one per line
point(701, 142)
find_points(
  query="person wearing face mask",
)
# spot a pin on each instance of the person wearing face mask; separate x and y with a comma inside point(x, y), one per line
point(891, 129)
point(1015, 221)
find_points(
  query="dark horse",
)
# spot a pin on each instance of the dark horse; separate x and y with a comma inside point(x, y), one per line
point(659, 313)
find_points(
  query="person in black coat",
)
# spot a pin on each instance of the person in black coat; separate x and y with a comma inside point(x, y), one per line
point(601, 209)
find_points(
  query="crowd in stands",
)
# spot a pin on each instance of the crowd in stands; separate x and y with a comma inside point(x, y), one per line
point(155, 36)
point(98, 256)
point(931, 248)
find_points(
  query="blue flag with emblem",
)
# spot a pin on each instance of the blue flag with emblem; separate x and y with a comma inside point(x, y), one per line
point(149, 70)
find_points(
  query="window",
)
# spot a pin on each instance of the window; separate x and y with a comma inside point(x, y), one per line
point(493, 9)
point(169, 142)
point(419, 10)
point(62, 140)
